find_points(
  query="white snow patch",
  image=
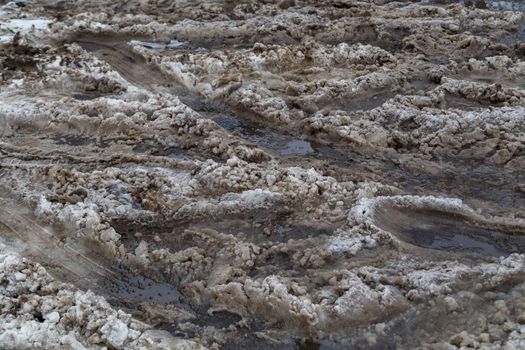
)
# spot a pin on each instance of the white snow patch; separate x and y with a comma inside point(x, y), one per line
point(6, 39)
point(25, 25)
point(44, 206)
point(115, 331)
point(252, 199)
point(52, 317)
point(351, 244)
point(364, 209)
point(155, 45)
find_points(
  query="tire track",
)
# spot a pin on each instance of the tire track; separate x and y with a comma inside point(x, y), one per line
point(67, 259)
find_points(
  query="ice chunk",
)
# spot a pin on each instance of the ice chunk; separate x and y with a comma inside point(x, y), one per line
point(115, 331)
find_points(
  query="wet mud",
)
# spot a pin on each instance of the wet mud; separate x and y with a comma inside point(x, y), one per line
point(70, 260)
point(437, 230)
point(264, 175)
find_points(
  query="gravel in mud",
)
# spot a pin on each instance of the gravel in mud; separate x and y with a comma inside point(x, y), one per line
point(278, 174)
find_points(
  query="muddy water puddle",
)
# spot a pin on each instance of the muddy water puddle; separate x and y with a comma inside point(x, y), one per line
point(145, 147)
point(456, 101)
point(244, 338)
point(264, 137)
point(471, 180)
point(285, 233)
point(88, 96)
point(376, 99)
point(74, 140)
point(152, 148)
point(282, 146)
point(259, 344)
point(448, 231)
point(130, 289)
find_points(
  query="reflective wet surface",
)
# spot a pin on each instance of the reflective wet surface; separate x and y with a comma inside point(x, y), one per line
point(440, 230)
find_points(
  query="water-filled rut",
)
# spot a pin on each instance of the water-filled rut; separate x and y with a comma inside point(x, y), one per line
point(449, 231)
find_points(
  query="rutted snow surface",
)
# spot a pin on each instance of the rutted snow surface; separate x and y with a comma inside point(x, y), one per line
point(279, 174)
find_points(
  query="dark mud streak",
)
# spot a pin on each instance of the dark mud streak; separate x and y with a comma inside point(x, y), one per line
point(131, 289)
point(358, 103)
point(493, 78)
point(249, 225)
point(134, 68)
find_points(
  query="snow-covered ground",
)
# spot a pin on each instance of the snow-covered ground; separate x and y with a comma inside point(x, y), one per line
point(278, 174)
